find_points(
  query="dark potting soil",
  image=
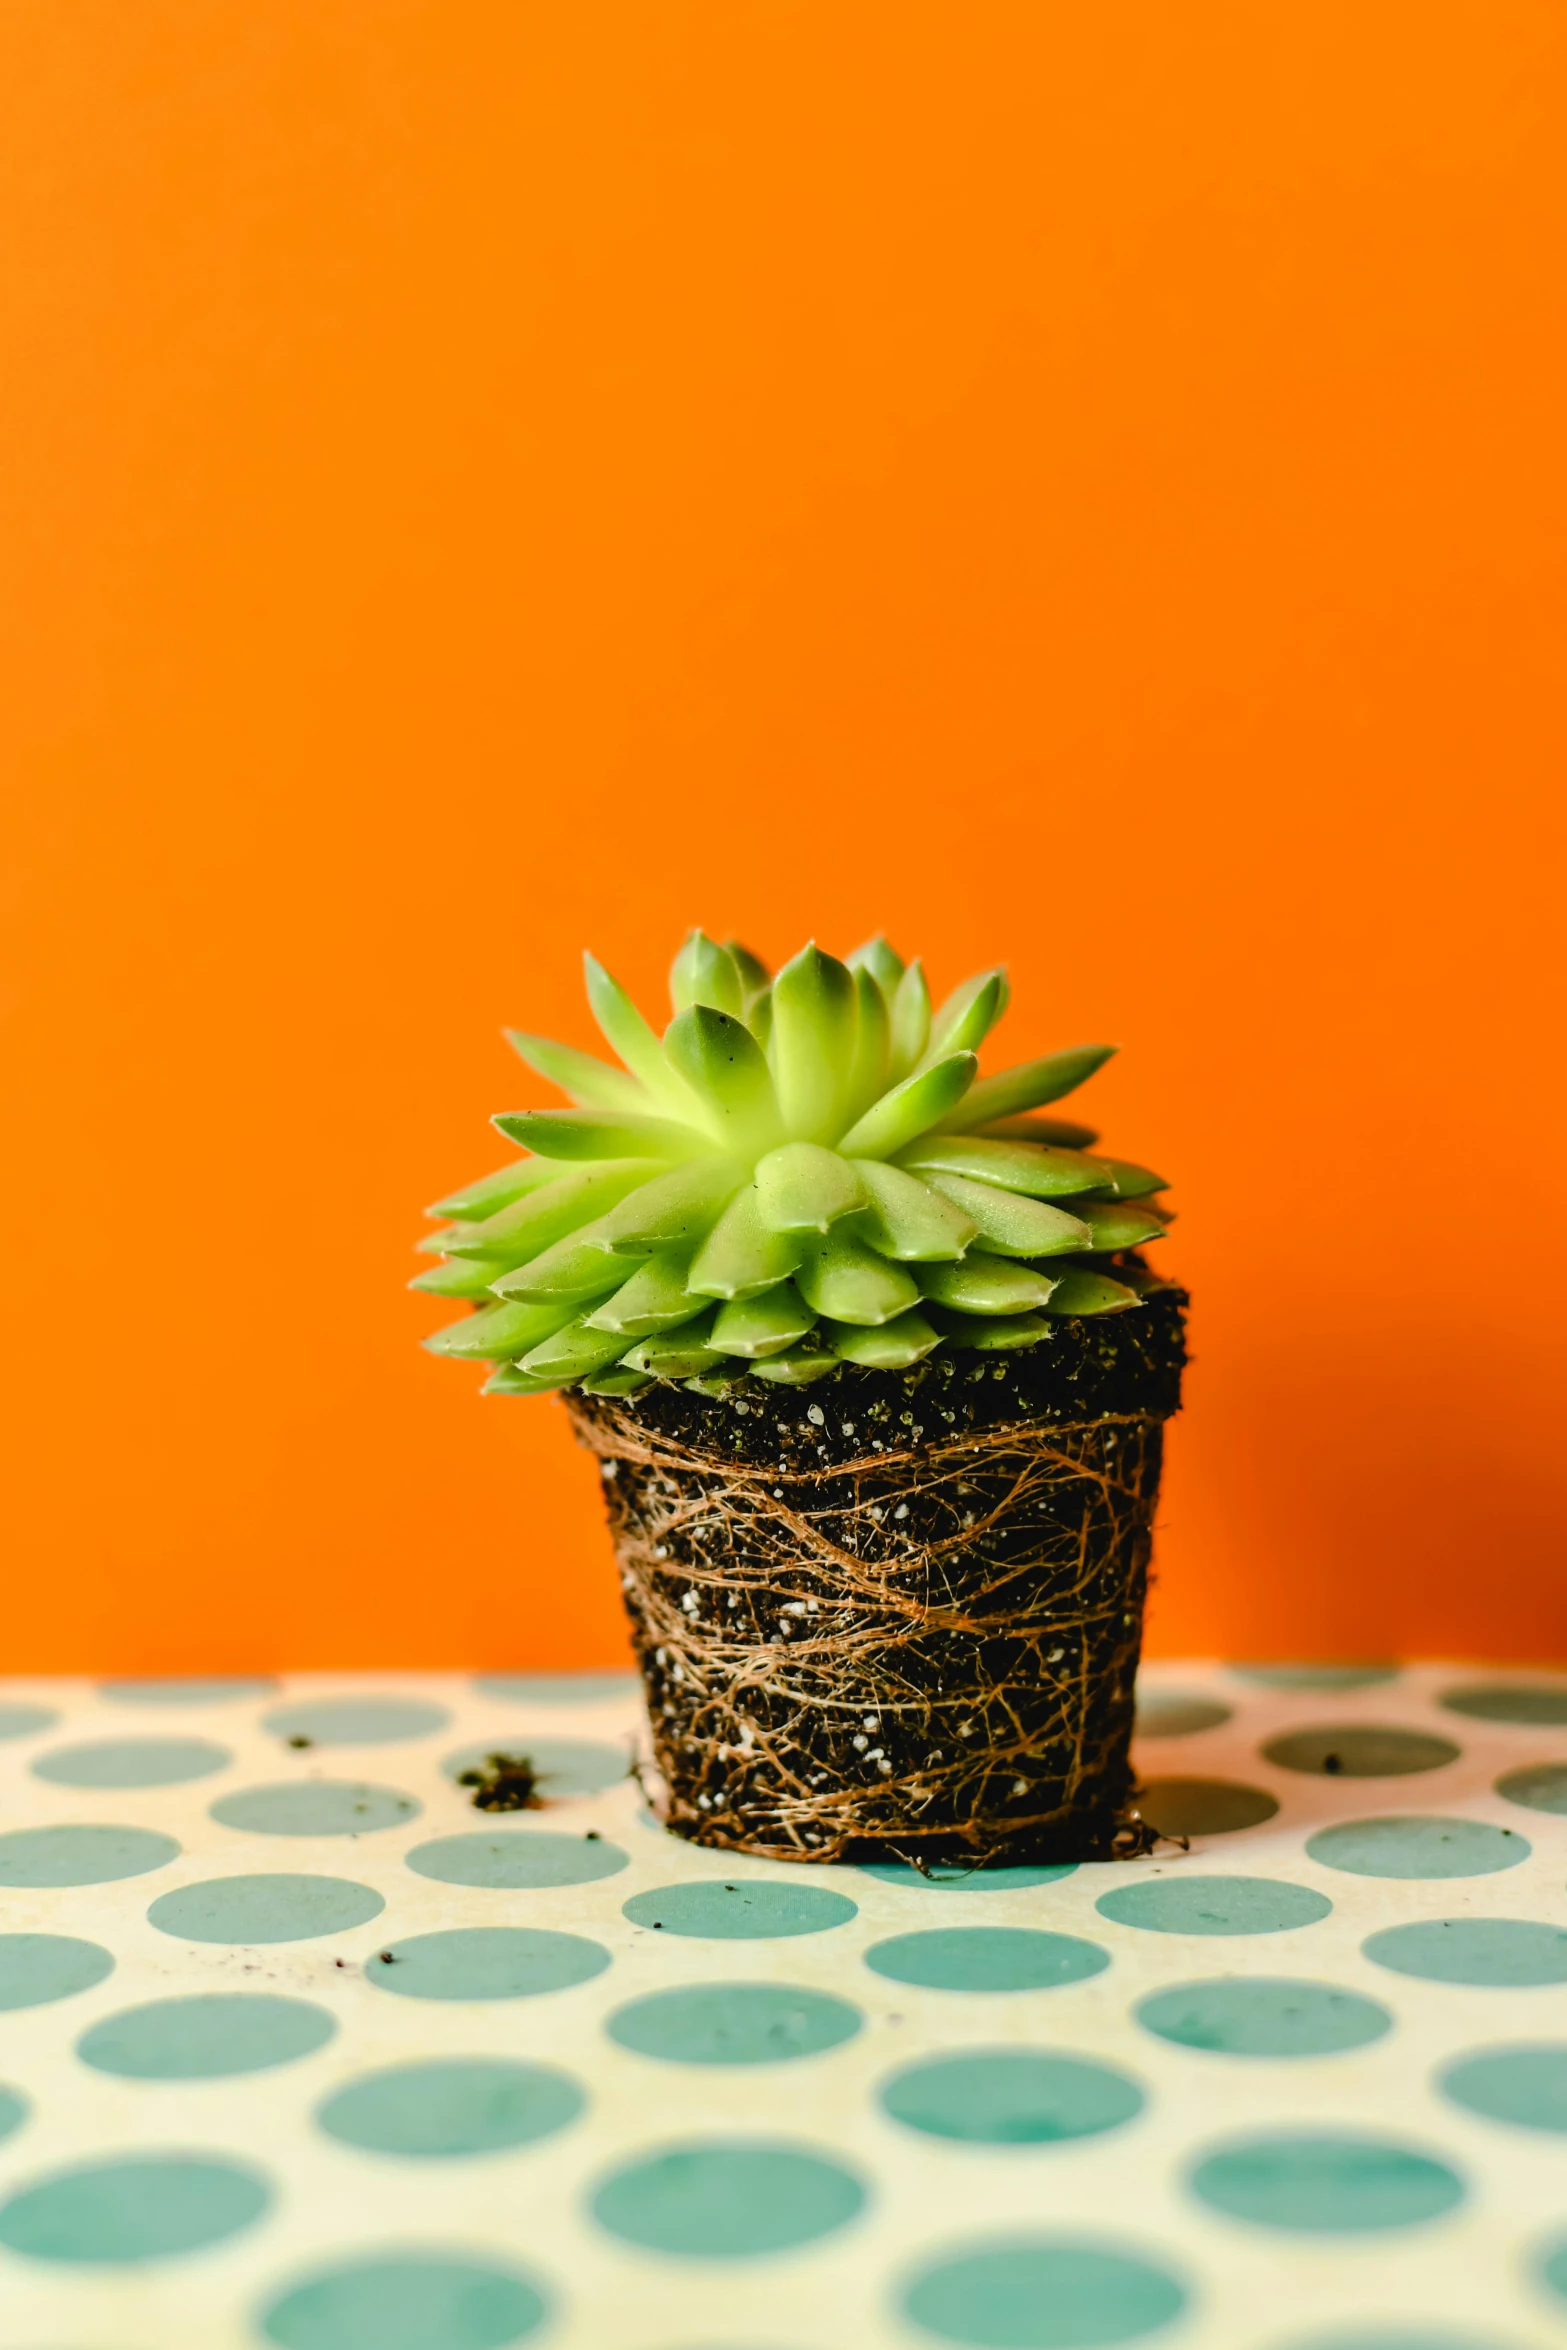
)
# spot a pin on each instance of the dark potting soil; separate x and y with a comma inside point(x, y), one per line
point(899, 1612)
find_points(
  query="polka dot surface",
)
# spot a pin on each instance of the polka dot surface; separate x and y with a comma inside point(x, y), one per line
point(299, 2046)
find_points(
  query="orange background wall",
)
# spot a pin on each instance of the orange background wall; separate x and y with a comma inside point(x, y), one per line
point(482, 479)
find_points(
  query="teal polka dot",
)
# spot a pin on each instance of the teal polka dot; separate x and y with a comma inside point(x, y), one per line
point(947, 1877)
point(21, 1721)
point(517, 1860)
point(222, 1691)
point(132, 1762)
point(1423, 1846)
point(450, 2106)
point(1316, 1676)
point(1168, 1713)
point(357, 1721)
point(563, 1766)
point(315, 1807)
point(740, 1909)
point(1213, 1905)
point(1263, 2015)
point(424, 2302)
point(36, 1969)
point(1043, 2293)
point(486, 1962)
point(727, 2200)
point(141, 2207)
point(1319, 2183)
point(1351, 1751)
point(734, 2023)
point(1553, 2271)
point(986, 1958)
point(14, 2110)
point(1542, 1787)
point(264, 1909)
point(558, 1688)
point(210, 2037)
point(1011, 2097)
point(1523, 2085)
point(1489, 1952)
point(1203, 1807)
point(81, 1855)
point(1536, 1705)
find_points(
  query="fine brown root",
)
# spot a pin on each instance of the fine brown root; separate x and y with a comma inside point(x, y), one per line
point(924, 1651)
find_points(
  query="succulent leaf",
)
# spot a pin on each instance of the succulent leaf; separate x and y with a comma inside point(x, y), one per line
point(740, 1257)
point(493, 1192)
point(727, 1070)
point(801, 1174)
point(1012, 1166)
point(655, 1298)
point(800, 1187)
point(1010, 1225)
point(893, 1347)
point(849, 1282)
point(591, 1082)
point(986, 1285)
point(893, 1122)
point(1028, 1086)
point(765, 1325)
point(669, 1211)
point(906, 1219)
point(589, 1134)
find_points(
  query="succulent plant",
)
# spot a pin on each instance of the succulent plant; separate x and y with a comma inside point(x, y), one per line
point(805, 1172)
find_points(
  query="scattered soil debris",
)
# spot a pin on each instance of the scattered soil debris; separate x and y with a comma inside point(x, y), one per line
point(503, 1782)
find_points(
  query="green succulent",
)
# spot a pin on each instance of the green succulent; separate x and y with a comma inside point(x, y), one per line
point(804, 1172)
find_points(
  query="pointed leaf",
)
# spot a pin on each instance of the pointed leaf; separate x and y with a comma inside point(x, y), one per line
point(616, 1382)
point(475, 1201)
point(1010, 1226)
point(907, 1219)
point(626, 1032)
point(1126, 1181)
point(844, 1279)
point(455, 1279)
point(678, 1354)
point(1026, 1167)
point(812, 1043)
point(572, 1270)
point(574, 1352)
point(497, 1333)
point(705, 973)
point(655, 1298)
point(800, 1187)
point(800, 1367)
point(1028, 1085)
point(986, 1285)
point(755, 978)
point(671, 1211)
point(910, 1021)
point(893, 1347)
point(718, 1381)
point(986, 1334)
point(893, 1122)
point(968, 1015)
point(1091, 1293)
point(592, 1134)
point(762, 1325)
point(1059, 1133)
point(1114, 1225)
point(740, 1257)
point(508, 1380)
point(879, 959)
point(591, 1082)
point(759, 1018)
point(870, 1071)
point(727, 1070)
point(575, 1198)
